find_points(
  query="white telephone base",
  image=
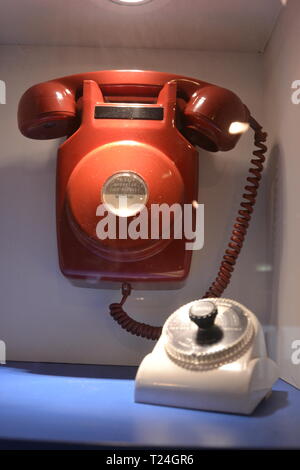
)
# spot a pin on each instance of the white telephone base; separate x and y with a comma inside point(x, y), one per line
point(234, 386)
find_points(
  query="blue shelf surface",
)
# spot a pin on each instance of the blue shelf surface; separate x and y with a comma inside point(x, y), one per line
point(94, 405)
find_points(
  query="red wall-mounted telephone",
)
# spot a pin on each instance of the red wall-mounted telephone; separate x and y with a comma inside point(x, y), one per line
point(140, 127)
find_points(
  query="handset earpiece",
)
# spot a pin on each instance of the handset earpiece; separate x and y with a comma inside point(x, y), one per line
point(47, 111)
point(214, 118)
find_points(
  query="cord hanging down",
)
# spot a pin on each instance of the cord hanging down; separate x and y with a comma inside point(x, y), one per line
point(232, 251)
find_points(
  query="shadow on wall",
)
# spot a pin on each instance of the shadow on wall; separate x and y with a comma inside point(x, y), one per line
point(27, 208)
point(275, 182)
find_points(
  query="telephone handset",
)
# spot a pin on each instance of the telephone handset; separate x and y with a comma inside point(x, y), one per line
point(133, 133)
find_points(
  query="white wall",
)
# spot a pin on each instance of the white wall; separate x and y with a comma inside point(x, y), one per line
point(282, 67)
point(43, 317)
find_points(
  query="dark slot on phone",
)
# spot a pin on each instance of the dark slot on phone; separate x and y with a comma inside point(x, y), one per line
point(129, 112)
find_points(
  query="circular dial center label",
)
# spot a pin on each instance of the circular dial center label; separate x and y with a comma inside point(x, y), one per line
point(125, 194)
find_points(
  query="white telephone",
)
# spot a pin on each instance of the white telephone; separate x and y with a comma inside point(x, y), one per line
point(211, 356)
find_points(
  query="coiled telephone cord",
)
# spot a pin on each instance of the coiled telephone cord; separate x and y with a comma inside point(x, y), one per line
point(231, 253)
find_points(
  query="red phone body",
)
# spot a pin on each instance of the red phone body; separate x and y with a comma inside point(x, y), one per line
point(143, 127)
